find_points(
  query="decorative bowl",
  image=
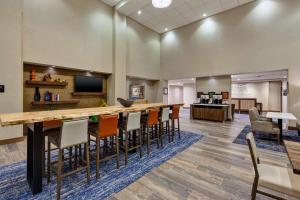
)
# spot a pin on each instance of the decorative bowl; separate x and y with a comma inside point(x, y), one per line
point(125, 103)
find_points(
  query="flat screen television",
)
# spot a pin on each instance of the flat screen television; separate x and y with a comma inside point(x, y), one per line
point(88, 84)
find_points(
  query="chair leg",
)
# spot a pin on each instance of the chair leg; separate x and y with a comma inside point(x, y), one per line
point(118, 152)
point(70, 156)
point(148, 140)
point(140, 142)
point(97, 157)
point(161, 129)
point(278, 139)
point(48, 162)
point(126, 147)
point(168, 131)
point(87, 155)
point(254, 188)
point(179, 134)
point(173, 129)
point(157, 135)
point(58, 187)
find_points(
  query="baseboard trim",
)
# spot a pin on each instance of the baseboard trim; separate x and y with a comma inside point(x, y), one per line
point(12, 140)
point(293, 128)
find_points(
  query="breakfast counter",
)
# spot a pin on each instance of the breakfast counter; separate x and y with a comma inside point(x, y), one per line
point(212, 112)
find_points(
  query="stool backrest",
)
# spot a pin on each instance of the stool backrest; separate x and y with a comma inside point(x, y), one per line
point(133, 121)
point(175, 112)
point(74, 132)
point(52, 124)
point(108, 125)
point(253, 151)
point(165, 115)
point(152, 117)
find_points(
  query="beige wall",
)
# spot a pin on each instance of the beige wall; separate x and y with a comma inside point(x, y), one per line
point(260, 36)
point(151, 88)
point(143, 51)
point(175, 94)
point(73, 33)
point(267, 93)
point(11, 74)
point(189, 94)
point(216, 84)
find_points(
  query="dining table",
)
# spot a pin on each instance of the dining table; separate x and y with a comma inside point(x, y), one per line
point(280, 116)
point(293, 152)
point(35, 138)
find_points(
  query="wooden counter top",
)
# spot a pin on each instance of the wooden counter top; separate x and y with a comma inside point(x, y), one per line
point(40, 116)
point(293, 151)
point(211, 105)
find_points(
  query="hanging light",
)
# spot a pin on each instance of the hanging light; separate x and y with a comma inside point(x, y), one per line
point(161, 3)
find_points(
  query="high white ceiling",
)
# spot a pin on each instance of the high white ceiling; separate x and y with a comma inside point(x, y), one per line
point(263, 76)
point(180, 13)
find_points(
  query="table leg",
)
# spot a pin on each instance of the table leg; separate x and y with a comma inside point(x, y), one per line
point(35, 158)
point(280, 128)
point(121, 118)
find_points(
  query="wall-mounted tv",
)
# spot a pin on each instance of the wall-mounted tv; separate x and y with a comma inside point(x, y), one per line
point(88, 84)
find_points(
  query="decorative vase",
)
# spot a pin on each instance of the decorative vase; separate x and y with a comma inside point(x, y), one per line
point(37, 94)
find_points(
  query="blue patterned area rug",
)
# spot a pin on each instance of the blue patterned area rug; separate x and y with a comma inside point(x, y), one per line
point(267, 141)
point(13, 183)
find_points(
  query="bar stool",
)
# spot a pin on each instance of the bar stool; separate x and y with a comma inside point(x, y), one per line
point(73, 133)
point(165, 121)
point(150, 124)
point(131, 127)
point(107, 128)
point(175, 116)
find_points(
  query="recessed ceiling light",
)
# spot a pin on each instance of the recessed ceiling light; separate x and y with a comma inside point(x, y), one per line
point(166, 29)
point(238, 79)
point(285, 77)
point(161, 3)
point(178, 83)
point(139, 12)
point(204, 15)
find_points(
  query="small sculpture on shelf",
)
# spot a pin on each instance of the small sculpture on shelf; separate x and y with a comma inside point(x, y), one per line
point(32, 75)
point(48, 78)
point(47, 96)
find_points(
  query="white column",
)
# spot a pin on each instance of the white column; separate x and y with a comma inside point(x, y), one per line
point(117, 81)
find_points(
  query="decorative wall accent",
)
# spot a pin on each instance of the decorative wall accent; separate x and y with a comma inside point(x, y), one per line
point(137, 92)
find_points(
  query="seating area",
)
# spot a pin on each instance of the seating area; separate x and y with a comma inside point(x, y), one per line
point(149, 99)
point(129, 133)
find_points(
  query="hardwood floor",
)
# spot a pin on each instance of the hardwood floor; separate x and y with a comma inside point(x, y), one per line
point(214, 168)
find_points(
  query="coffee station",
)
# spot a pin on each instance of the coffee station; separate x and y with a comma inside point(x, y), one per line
point(211, 106)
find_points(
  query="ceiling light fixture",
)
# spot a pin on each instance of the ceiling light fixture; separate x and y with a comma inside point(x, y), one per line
point(204, 15)
point(139, 12)
point(166, 29)
point(161, 3)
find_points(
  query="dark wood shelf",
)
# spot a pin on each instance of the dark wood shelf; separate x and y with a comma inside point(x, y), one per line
point(46, 83)
point(63, 102)
point(88, 94)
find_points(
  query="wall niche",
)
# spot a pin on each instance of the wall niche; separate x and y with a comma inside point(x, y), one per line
point(64, 87)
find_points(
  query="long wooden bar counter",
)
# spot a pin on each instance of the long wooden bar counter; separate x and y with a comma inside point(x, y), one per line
point(35, 139)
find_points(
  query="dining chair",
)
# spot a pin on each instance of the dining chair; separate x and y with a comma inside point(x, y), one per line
point(165, 124)
point(73, 133)
point(275, 178)
point(107, 129)
point(262, 124)
point(150, 124)
point(174, 116)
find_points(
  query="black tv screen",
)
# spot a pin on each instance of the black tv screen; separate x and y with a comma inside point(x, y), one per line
point(88, 84)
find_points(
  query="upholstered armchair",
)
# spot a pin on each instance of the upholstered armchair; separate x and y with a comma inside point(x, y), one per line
point(263, 124)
